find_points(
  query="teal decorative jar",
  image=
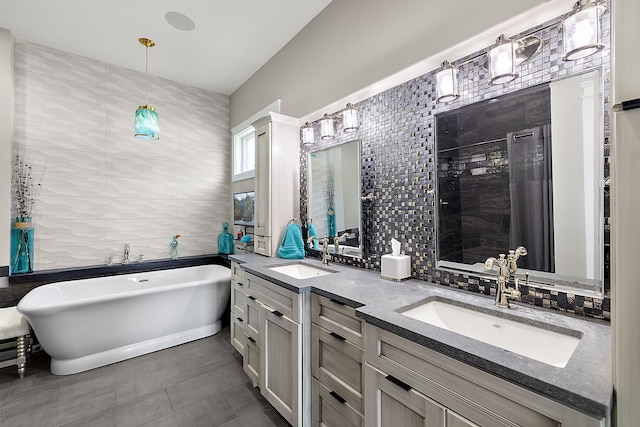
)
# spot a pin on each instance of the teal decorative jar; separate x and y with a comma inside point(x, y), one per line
point(225, 240)
point(21, 246)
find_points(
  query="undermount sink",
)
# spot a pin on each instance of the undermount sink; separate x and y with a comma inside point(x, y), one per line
point(301, 270)
point(550, 347)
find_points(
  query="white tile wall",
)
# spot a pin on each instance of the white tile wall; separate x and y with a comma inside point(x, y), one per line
point(102, 187)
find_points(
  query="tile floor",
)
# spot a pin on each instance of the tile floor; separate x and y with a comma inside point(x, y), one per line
point(195, 384)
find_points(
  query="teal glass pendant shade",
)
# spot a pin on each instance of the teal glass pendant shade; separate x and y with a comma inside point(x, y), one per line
point(147, 123)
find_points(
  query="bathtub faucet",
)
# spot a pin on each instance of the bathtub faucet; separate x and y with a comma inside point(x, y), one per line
point(126, 254)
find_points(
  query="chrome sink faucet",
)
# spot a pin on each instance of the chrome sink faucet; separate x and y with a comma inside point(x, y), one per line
point(326, 256)
point(507, 268)
point(125, 259)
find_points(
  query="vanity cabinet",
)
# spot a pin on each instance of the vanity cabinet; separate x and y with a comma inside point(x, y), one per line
point(337, 353)
point(409, 384)
point(274, 347)
point(277, 180)
point(238, 309)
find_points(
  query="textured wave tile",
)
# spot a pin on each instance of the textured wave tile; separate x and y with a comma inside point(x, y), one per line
point(121, 209)
point(56, 184)
point(132, 82)
point(51, 135)
point(193, 98)
point(136, 188)
point(120, 230)
point(31, 57)
point(60, 243)
point(130, 146)
point(70, 161)
point(203, 191)
point(189, 208)
point(141, 168)
point(52, 210)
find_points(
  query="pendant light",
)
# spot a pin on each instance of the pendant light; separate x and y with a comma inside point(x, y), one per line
point(447, 83)
point(581, 33)
point(147, 121)
point(350, 118)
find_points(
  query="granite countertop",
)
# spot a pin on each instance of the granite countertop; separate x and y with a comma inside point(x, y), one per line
point(584, 384)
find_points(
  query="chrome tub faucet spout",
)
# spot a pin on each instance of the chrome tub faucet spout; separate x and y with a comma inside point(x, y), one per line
point(125, 259)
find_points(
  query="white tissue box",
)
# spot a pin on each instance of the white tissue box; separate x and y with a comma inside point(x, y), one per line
point(396, 267)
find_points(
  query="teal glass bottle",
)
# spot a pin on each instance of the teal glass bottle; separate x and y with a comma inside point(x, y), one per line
point(225, 240)
point(22, 246)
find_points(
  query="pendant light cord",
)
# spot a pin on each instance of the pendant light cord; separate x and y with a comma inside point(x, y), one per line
point(146, 64)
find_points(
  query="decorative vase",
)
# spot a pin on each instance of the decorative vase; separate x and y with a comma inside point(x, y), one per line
point(331, 223)
point(22, 246)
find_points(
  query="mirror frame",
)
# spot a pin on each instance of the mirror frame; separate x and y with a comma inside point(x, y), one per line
point(540, 279)
point(359, 192)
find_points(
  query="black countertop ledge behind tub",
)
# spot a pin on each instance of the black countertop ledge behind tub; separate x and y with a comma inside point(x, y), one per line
point(585, 384)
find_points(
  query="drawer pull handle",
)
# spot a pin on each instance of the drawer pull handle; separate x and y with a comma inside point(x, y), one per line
point(239, 319)
point(336, 301)
point(251, 339)
point(338, 337)
point(337, 397)
point(240, 284)
point(252, 298)
point(277, 313)
point(401, 384)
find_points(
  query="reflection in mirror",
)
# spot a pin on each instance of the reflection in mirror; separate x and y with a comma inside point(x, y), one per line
point(334, 190)
point(525, 169)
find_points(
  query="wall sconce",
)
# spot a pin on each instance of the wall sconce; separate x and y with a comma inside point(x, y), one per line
point(581, 33)
point(447, 83)
point(308, 136)
point(350, 118)
point(147, 122)
point(326, 127)
point(507, 54)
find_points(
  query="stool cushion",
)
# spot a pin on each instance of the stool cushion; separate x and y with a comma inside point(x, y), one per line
point(12, 323)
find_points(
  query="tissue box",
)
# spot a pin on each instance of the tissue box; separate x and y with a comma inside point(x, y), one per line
point(396, 267)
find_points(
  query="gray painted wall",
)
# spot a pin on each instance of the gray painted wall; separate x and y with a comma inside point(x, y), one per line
point(352, 44)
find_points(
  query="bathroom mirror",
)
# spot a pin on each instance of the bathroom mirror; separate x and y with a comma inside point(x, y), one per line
point(526, 169)
point(334, 195)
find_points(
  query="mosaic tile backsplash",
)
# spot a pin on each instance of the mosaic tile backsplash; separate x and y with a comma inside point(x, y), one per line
point(398, 164)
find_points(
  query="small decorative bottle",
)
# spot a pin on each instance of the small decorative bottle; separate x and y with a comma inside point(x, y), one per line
point(225, 240)
point(174, 247)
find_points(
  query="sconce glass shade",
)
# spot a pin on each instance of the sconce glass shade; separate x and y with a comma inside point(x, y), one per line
point(147, 124)
point(326, 127)
point(350, 118)
point(581, 35)
point(502, 61)
point(447, 83)
point(308, 136)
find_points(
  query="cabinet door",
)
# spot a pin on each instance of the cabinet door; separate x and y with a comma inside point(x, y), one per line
point(263, 182)
point(392, 403)
point(455, 420)
point(238, 337)
point(252, 319)
point(251, 360)
point(280, 381)
point(238, 300)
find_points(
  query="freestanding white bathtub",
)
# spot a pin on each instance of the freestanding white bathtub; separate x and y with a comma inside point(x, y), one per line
point(84, 324)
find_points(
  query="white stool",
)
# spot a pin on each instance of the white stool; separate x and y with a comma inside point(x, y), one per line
point(14, 332)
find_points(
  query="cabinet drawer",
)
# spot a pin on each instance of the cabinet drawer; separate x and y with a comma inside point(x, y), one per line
point(337, 364)
point(237, 273)
point(262, 245)
point(274, 296)
point(238, 337)
point(238, 300)
point(475, 395)
point(338, 318)
point(329, 409)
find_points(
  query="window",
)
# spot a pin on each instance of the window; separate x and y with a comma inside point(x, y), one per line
point(244, 154)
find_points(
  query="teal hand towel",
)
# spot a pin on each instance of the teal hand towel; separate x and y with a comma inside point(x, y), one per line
point(292, 246)
point(313, 233)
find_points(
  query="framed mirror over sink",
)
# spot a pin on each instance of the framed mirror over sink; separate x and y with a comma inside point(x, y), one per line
point(334, 196)
point(526, 169)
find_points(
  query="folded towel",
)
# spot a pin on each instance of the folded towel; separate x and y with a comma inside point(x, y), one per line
point(313, 233)
point(292, 246)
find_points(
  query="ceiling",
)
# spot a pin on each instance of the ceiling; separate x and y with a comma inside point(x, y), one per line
point(232, 39)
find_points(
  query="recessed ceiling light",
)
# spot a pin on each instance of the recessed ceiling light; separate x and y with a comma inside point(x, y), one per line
point(180, 21)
